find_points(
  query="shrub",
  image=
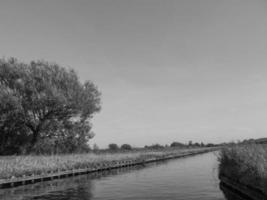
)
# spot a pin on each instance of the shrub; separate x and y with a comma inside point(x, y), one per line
point(177, 144)
point(113, 147)
point(155, 146)
point(246, 164)
point(126, 147)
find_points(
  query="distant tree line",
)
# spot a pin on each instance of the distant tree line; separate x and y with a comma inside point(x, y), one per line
point(44, 108)
point(179, 145)
point(115, 147)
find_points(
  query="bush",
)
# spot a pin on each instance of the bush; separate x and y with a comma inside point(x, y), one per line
point(210, 145)
point(126, 147)
point(177, 144)
point(155, 146)
point(246, 164)
point(113, 147)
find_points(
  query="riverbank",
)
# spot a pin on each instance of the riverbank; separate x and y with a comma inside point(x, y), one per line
point(244, 168)
point(28, 169)
point(191, 177)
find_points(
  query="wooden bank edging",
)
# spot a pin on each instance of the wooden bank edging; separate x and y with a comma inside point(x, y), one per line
point(14, 182)
point(243, 190)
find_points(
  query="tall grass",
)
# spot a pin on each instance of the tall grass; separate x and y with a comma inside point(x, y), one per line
point(246, 164)
point(19, 166)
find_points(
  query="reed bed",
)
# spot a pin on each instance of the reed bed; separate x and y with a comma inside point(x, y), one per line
point(23, 166)
point(245, 164)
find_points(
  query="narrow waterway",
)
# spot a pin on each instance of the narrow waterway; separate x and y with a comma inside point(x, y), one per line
point(191, 178)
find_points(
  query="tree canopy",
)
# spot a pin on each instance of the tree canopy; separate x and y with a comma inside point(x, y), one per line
point(126, 147)
point(113, 147)
point(43, 101)
point(177, 144)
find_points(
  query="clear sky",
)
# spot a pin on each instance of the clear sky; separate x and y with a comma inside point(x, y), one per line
point(168, 70)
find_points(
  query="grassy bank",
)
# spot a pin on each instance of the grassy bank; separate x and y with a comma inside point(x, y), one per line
point(246, 164)
point(21, 166)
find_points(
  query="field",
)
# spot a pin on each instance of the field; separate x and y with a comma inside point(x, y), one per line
point(246, 164)
point(21, 166)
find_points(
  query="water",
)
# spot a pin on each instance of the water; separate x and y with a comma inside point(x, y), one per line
point(192, 178)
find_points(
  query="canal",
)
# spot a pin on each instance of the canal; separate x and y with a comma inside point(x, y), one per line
point(191, 178)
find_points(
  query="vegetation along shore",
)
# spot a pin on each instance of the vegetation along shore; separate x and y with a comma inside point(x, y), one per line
point(246, 165)
point(12, 167)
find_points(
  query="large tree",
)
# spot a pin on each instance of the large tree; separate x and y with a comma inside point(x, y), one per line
point(43, 100)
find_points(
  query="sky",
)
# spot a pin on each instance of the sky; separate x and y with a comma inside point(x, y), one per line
point(168, 70)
